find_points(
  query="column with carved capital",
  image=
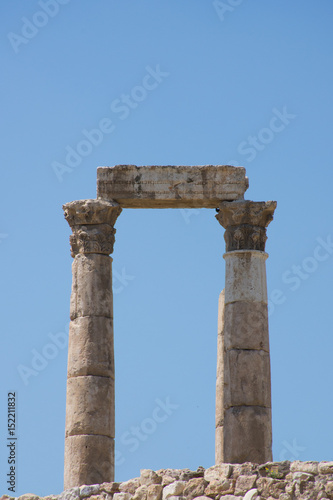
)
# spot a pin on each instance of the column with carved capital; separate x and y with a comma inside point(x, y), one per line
point(89, 441)
point(243, 385)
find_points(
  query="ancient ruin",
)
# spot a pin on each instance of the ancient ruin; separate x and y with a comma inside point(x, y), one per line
point(243, 388)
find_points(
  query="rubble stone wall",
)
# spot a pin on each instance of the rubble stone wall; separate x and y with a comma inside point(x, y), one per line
point(273, 480)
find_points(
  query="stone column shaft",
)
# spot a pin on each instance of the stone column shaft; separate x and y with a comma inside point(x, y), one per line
point(243, 386)
point(90, 425)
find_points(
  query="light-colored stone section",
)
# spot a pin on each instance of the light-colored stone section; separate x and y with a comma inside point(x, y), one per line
point(249, 435)
point(302, 476)
point(244, 484)
point(220, 487)
point(174, 489)
point(247, 378)
point(154, 492)
point(325, 467)
point(141, 493)
point(155, 186)
point(148, 477)
point(195, 488)
point(329, 488)
point(85, 397)
point(90, 347)
point(96, 460)
point(245, 276)
point(308, 467)
point(91, 286)
point(87, 491)
point(251, 494)
point(130, 486)
point(202, 497)
point(244, 469)
point(218, 472)
point(122, 496)
point(245, 326)
point(70, 494)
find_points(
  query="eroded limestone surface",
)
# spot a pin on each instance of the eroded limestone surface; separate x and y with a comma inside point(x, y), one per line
point(171, 186)
point(273, 480)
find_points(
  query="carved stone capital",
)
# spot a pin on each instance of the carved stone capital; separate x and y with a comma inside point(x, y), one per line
point(245, 223)
point(92, 224)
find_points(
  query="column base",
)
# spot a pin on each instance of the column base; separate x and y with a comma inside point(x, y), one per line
point(88, 460)
point(245, 436)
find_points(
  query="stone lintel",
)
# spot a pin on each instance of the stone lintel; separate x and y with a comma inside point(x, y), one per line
point(170, 186)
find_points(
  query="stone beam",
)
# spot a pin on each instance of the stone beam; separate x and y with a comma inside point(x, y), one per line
point(171, 186)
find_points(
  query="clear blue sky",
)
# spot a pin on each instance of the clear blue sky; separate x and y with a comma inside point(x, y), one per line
point(247, 84)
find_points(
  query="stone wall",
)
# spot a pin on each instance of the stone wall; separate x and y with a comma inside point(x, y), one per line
point(273, 480)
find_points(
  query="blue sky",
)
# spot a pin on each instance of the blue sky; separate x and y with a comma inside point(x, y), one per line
point(231, 82)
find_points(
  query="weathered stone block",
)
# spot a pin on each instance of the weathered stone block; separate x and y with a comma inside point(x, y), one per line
point(148, 477)
point(245, 326)
point(247, 435)
point(69, 494)
point(110, 488)
point(308, 467)
point(96, 464)
point(91, 286)
point(87, 491)
point(86, 396)
point(218, 472)
point(171, 186)
point(141, 493)
point(329, 488)
point(174, 489)
point(325, 468)
point(247, 378)
point(244, 469)
point(245, 276)
point(302, 477)
point(188, 474)
point(268, 486)
point(122, 496)
point(90, 347)
point(130, 486)
point(244, 484)
point(195, 488)
point(220, 487)
point(154, 492)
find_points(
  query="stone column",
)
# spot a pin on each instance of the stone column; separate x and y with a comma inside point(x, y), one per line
point(89, 442)
point(243, 386)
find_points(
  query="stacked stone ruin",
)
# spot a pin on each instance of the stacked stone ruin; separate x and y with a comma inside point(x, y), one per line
point(243, 386)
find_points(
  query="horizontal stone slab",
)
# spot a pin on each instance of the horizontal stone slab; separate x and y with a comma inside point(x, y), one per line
point(155, 186)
